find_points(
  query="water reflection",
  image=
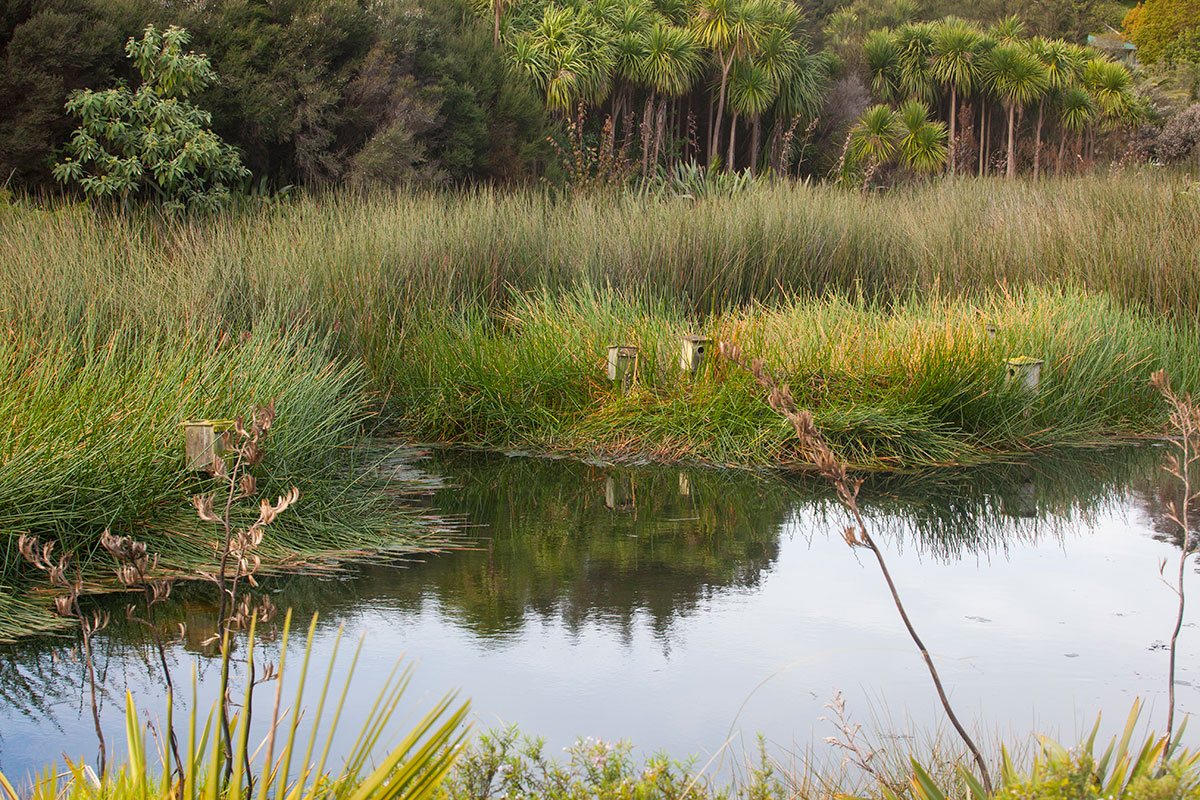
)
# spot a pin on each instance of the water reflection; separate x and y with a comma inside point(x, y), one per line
point(565, 552)
point(589, 543)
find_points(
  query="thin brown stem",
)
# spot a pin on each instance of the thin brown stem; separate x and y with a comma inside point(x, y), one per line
point(933, 673)
point(1185, 420)
point(85, 628)
point(836, 471)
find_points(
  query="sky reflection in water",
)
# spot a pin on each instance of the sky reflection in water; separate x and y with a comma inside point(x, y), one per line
point(678, 607)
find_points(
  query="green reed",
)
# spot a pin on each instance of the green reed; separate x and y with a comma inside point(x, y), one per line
point(913, 383)
point(482, 318)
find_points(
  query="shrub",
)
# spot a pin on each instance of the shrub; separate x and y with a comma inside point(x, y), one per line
point(151, 142)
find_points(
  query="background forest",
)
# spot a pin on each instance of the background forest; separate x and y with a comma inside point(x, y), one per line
point(320, 93)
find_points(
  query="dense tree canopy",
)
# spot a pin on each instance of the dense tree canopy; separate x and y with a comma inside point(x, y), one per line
point(311, 91)
point(992, 77)
point(1165, 30)
point(438, 92)
point(152, 142)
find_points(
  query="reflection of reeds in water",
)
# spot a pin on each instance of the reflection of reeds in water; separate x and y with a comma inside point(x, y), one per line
point(836, 472)
point(548, 546)
point(1180, 461)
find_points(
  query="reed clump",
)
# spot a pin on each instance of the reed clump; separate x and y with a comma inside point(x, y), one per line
point(481, 318)
point(912, 383)
point(364, 263)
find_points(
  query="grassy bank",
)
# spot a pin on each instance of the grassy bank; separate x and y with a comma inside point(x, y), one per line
point(482, 319)
point(92, 440)
point(920, 382)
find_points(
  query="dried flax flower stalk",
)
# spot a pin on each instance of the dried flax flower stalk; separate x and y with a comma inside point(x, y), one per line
point(135, 571)
point(66, 603)
point(814, 448)
point(237, 548)
point(1184, 420)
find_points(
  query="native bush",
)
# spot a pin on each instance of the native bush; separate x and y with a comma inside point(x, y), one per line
point(151, 142)
point(1180, 136)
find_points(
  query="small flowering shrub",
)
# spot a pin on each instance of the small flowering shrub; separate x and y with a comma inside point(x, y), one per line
point(503, 764)
point(1070, 780)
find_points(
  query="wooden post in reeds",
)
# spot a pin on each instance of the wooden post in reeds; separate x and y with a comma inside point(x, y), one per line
point(622, 366)
point(693, 353)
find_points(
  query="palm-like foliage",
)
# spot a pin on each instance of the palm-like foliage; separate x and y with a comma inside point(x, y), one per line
point(411, 769)
point(675, 11)
point(914, 42)
point(569, 56)
point(629, 21)
point(1062, 60)
point(874, 138)
point(1063, 63)
point(923, 144)
point(1078, 109)
point(1009, 30)
point(955, 64)
point(1016, 78)
point(752, 90)
point(1112, 87)
point(730, 28)
point(580, 51)
point(671, 59)
point(803, 89)
point(882, 55)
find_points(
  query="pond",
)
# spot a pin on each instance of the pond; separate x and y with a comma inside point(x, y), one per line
point(689, 608)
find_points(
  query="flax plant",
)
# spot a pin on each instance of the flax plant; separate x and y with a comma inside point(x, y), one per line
point(136, 571)
point(1127, 769)
point(836, 472)
point(237, 546)
point(411, 770)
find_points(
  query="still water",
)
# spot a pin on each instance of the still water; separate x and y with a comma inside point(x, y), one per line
point(687, 608)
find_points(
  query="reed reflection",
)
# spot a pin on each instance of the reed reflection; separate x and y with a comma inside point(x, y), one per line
point(597, 545)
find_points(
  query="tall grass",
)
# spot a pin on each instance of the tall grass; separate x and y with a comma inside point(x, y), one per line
point(918, 382)
point(365, 262)
point(482, 317)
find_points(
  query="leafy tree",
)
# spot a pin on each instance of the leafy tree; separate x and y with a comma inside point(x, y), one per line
point(1010, 30)
point(916, 51)
point(1076, 115)
point(923, 144)
point(883, 64)
point(1111, 85)
point(48, 49)
point(1064, 67)
point(752, 92)
point(956, 54)
point(670, 62)
point(731, 29)
point(873, 141)
point(1165, 30)
point(152, 142)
